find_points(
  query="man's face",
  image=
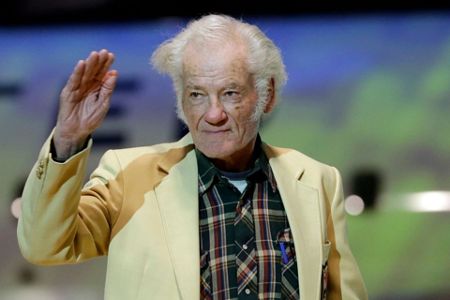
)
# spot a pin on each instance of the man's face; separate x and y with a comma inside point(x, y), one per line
point(219, 100)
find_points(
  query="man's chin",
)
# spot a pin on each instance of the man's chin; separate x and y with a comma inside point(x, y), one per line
point(217, 150)
point(216, 154)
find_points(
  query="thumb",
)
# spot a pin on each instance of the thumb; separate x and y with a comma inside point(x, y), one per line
point(108, 85)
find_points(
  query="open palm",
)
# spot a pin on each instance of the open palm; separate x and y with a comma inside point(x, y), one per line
point(84, 102)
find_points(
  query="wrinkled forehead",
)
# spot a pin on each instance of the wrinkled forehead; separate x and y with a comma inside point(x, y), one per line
point(204, 59)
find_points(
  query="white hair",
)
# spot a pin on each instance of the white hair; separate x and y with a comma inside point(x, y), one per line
point(263, 58)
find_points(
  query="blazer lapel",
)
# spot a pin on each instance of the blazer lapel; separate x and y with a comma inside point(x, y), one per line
point(177, 196)
point(302, 208)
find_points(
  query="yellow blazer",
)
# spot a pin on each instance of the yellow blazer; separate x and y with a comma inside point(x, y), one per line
point(140, 207)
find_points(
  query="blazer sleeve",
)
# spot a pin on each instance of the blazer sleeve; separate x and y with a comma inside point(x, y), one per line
point(62, 223)
point(345, 280)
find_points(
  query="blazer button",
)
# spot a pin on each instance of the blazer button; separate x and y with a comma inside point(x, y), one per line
point(39, 173)
point(40, 169)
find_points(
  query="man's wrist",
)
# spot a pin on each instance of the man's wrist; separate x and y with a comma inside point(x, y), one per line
point(61, 151)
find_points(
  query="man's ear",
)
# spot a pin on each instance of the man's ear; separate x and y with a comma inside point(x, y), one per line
point(270, 96)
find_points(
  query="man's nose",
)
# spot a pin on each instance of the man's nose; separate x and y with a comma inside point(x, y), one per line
point(216, 113)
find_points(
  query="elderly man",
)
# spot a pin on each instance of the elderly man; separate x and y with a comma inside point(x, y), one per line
point(216, 215)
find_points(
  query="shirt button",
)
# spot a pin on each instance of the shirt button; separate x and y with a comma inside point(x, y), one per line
point(247, 291)
point(245, 246)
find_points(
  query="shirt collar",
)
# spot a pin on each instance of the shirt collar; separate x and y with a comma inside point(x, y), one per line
point(208, 173)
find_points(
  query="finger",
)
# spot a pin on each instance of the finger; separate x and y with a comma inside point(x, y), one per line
point(109, 83)
point(104, 97)
point(75, 78)
point(109, 59)
point(90, 69)
point(102, 60)
point(92, 64)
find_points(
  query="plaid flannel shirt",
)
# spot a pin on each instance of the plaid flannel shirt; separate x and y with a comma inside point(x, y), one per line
point(247, 251)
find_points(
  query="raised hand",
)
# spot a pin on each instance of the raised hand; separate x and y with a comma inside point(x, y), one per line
point(84, 102)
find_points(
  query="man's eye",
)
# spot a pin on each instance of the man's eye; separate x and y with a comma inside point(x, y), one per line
point(230, 93)
point(195, 95)
point(232, 96)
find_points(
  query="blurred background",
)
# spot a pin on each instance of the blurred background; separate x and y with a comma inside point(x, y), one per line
point(368, 92)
